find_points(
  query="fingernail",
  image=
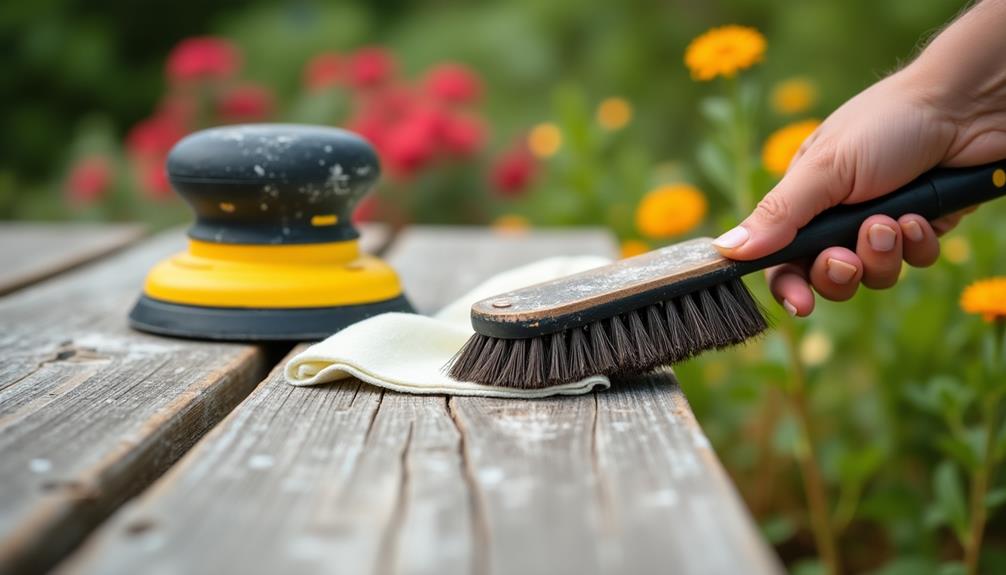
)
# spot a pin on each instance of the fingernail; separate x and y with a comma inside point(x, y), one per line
point(840, 272)
point(882, 237)
point(732, 239)
point(790, 308)
point(913, 230)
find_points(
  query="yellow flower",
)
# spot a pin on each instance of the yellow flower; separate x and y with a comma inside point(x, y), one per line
point(815, 348)
point(986, 298)
point(783, 144)
point(614, 113)
point(544, 140)
point(631, 248)
point(511, 223)
point(956, 249)
point(670, 210)
point(724, 51)
point(793, 96)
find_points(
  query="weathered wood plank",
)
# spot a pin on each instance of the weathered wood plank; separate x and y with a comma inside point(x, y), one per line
point(32, 252)
point(304, 480)
point(347, 479)
point(90, 411)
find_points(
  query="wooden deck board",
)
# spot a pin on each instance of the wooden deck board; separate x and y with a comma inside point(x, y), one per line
point(32, 252)
point(90, 411)
point(346, 478)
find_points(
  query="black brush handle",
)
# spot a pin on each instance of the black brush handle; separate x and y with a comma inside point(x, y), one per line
point(936, 193)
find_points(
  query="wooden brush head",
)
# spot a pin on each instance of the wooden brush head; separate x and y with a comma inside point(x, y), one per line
point(592, 295)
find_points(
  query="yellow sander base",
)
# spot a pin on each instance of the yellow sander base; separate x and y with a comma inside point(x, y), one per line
point(292, 292)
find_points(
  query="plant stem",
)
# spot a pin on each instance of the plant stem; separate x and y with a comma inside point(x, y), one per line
point(985, 472)
point(742, 153)
point(810, 471)
point(765, 472)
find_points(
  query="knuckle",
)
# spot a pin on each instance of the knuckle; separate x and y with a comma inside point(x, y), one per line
point(773, 209)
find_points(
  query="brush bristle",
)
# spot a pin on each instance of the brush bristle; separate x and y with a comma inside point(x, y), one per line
point(635, 342)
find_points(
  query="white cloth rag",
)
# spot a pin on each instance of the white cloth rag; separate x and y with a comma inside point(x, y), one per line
point(407, 352)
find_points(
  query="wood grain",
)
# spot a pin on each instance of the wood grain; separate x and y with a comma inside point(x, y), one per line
point(32, 252)
point(653, 271)
point(346, 478)
point(90, 411)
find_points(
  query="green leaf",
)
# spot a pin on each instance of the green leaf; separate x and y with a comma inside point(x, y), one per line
point(856, 465)
point(907, 566)
point(809, 567)
point(995, 498)
point(717, 111)
point(949, 493)
point(715, 165)
point(778, 529)
point(961, 450)
point(952, 568)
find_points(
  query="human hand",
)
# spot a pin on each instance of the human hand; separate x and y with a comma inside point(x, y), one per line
point(937, 111)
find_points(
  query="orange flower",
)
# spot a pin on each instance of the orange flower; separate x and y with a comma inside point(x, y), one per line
point(784, 143)
point(724, 51)
point(614, 113)
point(986, 298)
point(793, 96)
point(544, 140)
point(511, 223)
point(670, 210)
point(631, 248)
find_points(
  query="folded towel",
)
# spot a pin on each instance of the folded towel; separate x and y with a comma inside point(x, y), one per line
point(407, 352)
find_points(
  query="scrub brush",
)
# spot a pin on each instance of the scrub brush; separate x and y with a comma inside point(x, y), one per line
point(673, 303)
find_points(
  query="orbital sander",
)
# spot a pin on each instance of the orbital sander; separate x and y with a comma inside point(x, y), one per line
point(272, 254)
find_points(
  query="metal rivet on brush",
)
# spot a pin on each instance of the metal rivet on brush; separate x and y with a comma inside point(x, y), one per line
point(502, 303)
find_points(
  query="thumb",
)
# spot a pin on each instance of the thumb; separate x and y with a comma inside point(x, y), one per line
point(811, 186)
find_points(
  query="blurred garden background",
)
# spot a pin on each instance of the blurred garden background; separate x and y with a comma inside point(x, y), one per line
point(864, 439)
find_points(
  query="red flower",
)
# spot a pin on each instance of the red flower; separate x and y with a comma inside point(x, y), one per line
point(154, 136)
point(367, 209)
point(201, 58)
point(453, 84)
point(392, 102)
point(323, 71)
point(245, 103)
point(371, 126)
point(463, 135)
point(89, 179)
point(179, 109)
point(154, 179)
point(369, 67)
point(513, 172)
point(411, 145)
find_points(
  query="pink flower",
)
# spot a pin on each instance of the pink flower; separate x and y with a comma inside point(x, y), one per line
point(410, 146)
point(89, 180)
point(371, 126)
point(393, 102)
point(323, 71)
point(463, 135)
point(370, 67)
point(154, 179)
point(244, 103)
point(453, 84)
point(154, 136)
point(512, 173)
point(201, 58)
